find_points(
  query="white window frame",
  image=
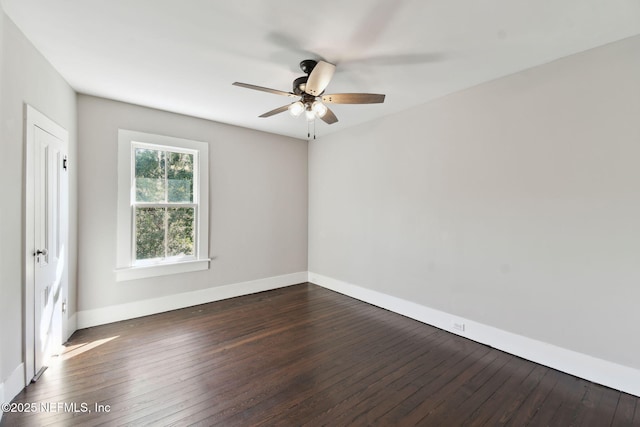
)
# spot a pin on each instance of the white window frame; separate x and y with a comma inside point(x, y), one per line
point(126, 267)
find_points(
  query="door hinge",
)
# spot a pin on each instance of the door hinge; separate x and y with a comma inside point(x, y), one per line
point(64, 163)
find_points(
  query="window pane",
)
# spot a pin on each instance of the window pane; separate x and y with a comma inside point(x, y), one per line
point(150, 233)
point(180, 235)
point(149, 175)
point(180, 177)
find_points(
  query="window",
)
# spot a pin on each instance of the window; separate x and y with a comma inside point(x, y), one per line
point(162, 205)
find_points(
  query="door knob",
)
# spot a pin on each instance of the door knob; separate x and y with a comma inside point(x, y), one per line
point(42, 252)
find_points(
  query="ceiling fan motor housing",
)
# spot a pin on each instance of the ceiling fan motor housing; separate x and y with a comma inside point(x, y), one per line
point(299, 85)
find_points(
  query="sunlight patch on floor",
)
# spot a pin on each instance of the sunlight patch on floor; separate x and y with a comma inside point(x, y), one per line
point(76, 349)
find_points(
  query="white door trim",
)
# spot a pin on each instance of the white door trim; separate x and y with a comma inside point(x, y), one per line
point(33, 118)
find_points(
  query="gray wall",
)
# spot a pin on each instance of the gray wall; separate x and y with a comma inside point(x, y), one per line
point(25, 77)
point(515, 203)
point(258, 203)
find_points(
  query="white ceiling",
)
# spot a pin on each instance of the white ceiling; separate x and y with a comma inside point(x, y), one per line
point(182, 56)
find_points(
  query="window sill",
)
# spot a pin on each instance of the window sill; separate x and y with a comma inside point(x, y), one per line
point(141, 272)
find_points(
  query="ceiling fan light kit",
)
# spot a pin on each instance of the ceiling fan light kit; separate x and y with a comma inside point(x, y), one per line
point(309, 114)
point(319, 108)
point(296, 108)
point(310, 91)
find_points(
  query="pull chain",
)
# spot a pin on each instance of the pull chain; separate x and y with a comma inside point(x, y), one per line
point(309, 122)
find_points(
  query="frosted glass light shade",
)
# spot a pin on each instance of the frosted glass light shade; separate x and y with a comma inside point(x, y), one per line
point(296, 109)
point(311, 115)
point(319, 108)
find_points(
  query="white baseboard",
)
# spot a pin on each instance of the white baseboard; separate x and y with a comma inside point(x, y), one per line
point(115, 313)
point(13, 385)
point(600, 371)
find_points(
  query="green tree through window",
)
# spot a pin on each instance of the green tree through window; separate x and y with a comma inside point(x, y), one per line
point(164, 205)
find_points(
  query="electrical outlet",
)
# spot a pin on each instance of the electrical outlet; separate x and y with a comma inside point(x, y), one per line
point(458, 326)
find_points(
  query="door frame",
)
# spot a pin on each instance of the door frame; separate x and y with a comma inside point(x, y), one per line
point(32, 119)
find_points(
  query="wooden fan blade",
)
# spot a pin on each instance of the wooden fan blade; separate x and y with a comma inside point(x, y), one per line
point(319, 78)
point(353, 98)
point(275, 111)
point(265, 89)
point(329, 118)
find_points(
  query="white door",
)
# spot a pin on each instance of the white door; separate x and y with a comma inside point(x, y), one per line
point(49, 242)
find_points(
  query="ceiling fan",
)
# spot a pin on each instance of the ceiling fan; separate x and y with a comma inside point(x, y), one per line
point(310, 91)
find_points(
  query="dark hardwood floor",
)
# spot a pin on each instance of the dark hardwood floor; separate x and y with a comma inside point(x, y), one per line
point(304, 355)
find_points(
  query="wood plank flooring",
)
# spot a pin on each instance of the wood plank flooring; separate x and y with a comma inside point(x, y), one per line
point(303, 355)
